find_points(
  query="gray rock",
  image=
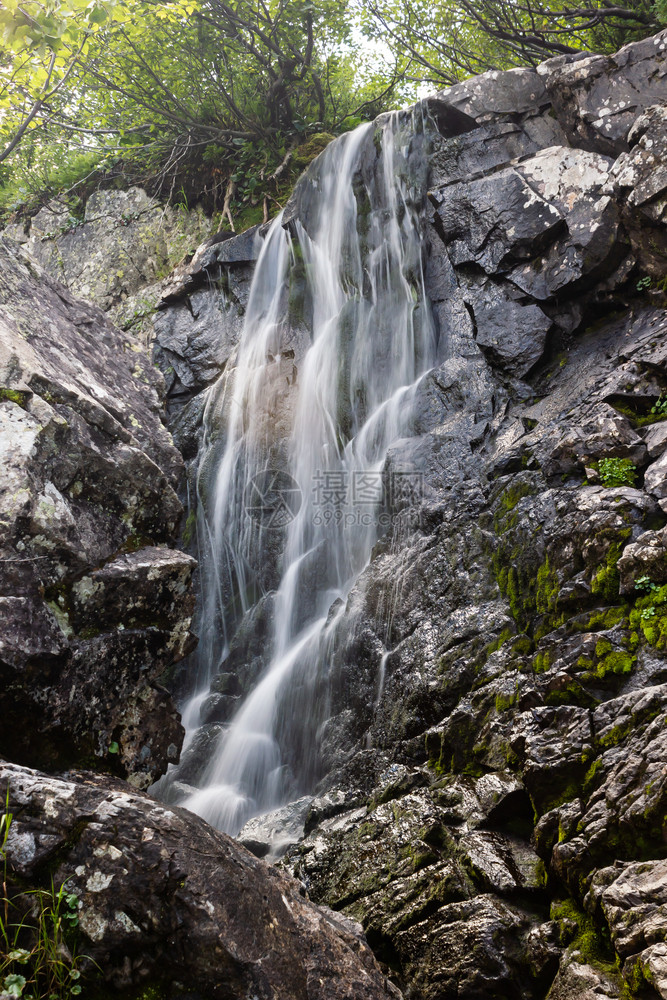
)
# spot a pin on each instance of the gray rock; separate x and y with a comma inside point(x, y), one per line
point(122, 247)
point(89, 474)
point(495, 94)
point(580, 981)
point(494, 221)
point(655, 437)
point(233, 927)
point(655, 478)
point(645, 557)
point(194, 339)
point(511, 335)
point(597, 99)
point(271, 834)
point(633, 898)
point(571, 182)
point(471, 155)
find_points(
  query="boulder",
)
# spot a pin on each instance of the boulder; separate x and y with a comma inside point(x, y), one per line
point(655, 478)
point(597, 99)
point(647, 557)
point(164, 900)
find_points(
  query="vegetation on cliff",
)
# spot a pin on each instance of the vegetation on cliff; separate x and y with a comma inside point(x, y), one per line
point(215, 101)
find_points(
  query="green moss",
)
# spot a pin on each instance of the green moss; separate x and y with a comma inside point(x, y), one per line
point(528, 595)
point(523, 646)
point(15, 396)
point(500, 641)
point(602, 647)
point(649, 618)
point(505, 701)
point(590, 780)
point(617, 662)
point(307, 152)
point(511, 497)
point(514, 594)
point(636, 415)
point(605, 618)
point(541, 662)
point(546, 596)
point(572, 694)
point(591, 941)
point(616, 735)
point(606, 581)
point(638, 978)
point(190, 527)
point(503, 518)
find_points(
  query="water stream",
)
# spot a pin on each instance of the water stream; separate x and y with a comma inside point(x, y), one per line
point(337, 335)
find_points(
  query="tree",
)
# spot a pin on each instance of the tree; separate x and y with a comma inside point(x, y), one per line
point(42, 43)
point(449, 40)
point(209, 98)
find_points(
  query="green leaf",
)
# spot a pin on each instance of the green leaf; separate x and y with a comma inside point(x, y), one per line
point(14, 985)
point(19, 955)
point(113, 747)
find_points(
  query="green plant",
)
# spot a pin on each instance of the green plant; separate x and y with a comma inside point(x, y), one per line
point(644, 283)
point(617, 472)
point(645, 584)
point(37, 959)
point(659, 408)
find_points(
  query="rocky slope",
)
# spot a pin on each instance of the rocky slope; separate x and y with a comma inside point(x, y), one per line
point(492, 801)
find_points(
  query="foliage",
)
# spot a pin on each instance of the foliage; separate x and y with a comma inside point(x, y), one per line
point(448, 41)
point(617, 472)
point(43, 42)
point(210, 101)
point(659, 408)
point(36, 960)
point(201, 100)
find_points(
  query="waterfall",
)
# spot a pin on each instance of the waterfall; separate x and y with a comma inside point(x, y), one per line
point(292, 479)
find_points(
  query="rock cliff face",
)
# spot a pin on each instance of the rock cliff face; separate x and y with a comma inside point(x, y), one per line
point(95, 602)
point(493, 772)
point(117, 254)
point(492, 800)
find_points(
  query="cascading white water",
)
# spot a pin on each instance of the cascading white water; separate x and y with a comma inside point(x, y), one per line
point(359, 355)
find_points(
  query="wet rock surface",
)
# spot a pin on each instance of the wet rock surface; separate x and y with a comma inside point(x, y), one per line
point(96, 604)
point(167, 903)
point(495, 818)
